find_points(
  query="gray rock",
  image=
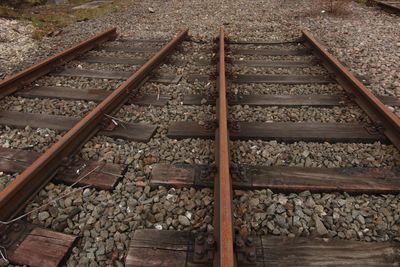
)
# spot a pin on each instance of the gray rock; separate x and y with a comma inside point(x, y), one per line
point(270, 226)
point(320, 227)
point(86, 192)
point(281, 221)
point(341, 202)
point(271, 209)
point(254, 202)
point(100, 250)
point(280, 209)
point(183, 220)
point(361, 219)
point(42, 216)
point(310, 203)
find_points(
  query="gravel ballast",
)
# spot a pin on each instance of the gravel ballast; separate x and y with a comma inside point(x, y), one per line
point(105, 220)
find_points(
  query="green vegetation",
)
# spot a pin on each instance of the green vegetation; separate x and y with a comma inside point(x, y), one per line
point(50, 18)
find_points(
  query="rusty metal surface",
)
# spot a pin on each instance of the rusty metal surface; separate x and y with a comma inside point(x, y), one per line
point(25, 77)
point(387, 122)
point(223, 213)
point(28, 183)
point(390, 6)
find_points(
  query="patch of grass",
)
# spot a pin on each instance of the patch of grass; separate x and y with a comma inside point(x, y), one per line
point(50, 18)
point(8, 12)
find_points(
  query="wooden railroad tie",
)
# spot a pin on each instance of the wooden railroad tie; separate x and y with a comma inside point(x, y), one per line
point(100, 175)
point(30, 245)
point(88, 94)
point(140, 132)
point(176, 248)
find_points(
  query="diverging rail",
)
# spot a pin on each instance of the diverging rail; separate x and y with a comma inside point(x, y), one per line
point(25, 186)
point(225, 247)
point(25, 77)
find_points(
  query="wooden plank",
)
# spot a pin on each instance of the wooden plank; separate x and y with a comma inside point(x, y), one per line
point(140, 132)
point(350, 180)
point(271, 52)
point(171, 240)
point(150, 100)
point(67, 93)
point(149, 257)
point(182, 130)
point(97, 74)
point(261, 42)
point(196, 99)
point(160, 41)
point(36, 120)
point(270, 100)
point(282, 100)
point(138, 61)
point(100, 175)
point(114, 60)
point(204, 62)
point(158, 248)
point(96, 95)
point(16, 160)
point(165, 78)
point(117, 75)
point(203, 78)
point(282, 132)
point(266, 78)
point(390, 100)
point(12, 166)
point(275, 64)
point(283, 251)
point(129, 49)
point(282, 79)
point(283, 178)
point(153, 248)
point(178, 175)
point(42, 247)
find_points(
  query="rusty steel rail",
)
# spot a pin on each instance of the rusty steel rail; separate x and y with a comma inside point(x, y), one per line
point(25, 77)
point(385, 120)
point(389, 6)
point(25, 186)
point(223, 213)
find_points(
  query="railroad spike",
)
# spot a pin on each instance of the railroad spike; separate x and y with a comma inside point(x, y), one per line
point(200, 239)
point(249, 241)
point(251, 256)
point(239, 243)
point(210, 242)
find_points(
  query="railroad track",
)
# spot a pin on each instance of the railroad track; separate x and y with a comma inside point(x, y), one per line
point(58, 161)
point(224, 247)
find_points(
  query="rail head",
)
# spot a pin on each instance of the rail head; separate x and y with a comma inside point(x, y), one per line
point(385, 120)
point(25, 186)
point(223, 184)
point(32, 73)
